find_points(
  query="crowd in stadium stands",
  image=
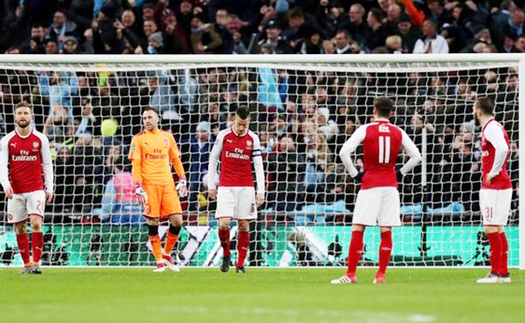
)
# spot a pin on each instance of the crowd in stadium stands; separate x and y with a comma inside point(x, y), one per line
point(91, 116)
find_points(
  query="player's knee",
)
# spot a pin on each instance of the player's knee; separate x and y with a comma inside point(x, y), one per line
point(176, 220)
point(175, 229)
point(153, 230)
point(21, 228)
point(36, 224)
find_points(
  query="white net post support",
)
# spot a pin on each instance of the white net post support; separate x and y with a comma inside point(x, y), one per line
point(438, 238)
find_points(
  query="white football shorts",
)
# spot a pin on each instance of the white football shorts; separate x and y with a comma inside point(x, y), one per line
point(495, 206)
point(22, 205)
point(236, 202)
point(378, 206)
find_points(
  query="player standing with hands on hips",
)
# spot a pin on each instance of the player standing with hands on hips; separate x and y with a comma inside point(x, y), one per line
point(26, 174)
point(377, 202)
point(150, 153)
point(236, 147)
point(496, 189)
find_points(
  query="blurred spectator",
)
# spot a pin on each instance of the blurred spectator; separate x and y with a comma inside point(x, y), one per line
point(197, 156)
point(204, 38)
point(176, 40)
point(286, 169)
point(300, 27)
point(51, 46)
point(311, 45)
point(60, 87)
point(431, 41)
point(515, 24)
point(273, 38)
point(357, 26)
point(64, 179)
point(394, 44)
point(34, 45)
point(118, 202)
point(105, 37)
point(61, 28)
point(342, 43)
point(58, 125)
point(379, 32)
point(409, 34)
point(16, 21)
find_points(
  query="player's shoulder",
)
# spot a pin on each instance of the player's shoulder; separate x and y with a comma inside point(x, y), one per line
point(38, 134)
point(8, 137)
point(139, 135)
point(224, 132)
point(253, 135)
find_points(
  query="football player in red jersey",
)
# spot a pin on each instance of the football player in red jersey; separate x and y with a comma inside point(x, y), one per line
point(377, 202)
point(26, 174)
point(496, 189)
point(236, 147)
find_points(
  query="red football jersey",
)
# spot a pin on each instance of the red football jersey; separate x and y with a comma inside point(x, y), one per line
point(381, 146)
point(493, 134)
point(29, 160)
point(237, 152)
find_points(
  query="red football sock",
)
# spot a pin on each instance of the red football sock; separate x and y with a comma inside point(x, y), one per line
point(495, 252)
point(23, 246)
point(224, 238)
point(385, 249)
point(243, 242)
point(354, 252)
point(38, 245)
point(504, 266)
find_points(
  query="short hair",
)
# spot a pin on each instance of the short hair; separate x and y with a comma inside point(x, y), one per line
point(296, 12)
point(23, 104)
point(384, 106)
point(486, 105)
point(150, 109)
point(242, 112)
point(378, 14)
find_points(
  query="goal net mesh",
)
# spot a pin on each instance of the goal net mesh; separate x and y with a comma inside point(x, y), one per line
point(303, 113)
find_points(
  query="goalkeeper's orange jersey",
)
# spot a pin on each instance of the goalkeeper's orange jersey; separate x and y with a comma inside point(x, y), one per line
point(151, 153)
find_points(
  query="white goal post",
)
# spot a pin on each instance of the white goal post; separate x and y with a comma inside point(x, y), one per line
point(300, 98)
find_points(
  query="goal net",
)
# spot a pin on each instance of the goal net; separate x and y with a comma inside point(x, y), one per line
point(303, 109)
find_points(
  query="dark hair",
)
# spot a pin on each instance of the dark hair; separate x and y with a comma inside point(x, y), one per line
point(384, 106)
point(242, 112)
point(378, 14)
point(296, 12)
point(486, 105)
point(23, 104)
point(150, 109)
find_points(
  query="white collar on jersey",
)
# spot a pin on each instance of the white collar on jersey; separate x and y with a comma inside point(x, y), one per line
point(241, 135)
point(24, 137)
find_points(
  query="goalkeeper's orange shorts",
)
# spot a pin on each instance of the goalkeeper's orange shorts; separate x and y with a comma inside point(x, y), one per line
point(163, 200)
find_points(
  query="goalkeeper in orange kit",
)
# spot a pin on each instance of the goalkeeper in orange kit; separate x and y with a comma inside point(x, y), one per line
point(150, 153)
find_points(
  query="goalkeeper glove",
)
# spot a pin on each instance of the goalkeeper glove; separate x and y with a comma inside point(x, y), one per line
point(141, 195)
point(182, 186)
point(399, 175)
point(357, 178)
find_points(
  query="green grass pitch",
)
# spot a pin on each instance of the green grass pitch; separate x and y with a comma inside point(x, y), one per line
point(261, 295)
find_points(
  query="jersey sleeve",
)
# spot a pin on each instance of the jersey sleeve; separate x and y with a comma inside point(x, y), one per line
point(412, 151)
point(494, 134)
point(4, 160)
point(258, 164)
point(215, 154)
point(349, 148)
point(135, 156)
point(174, 153)
point(47, 164)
